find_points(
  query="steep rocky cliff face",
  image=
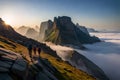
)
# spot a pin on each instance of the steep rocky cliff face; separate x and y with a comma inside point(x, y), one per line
point(64, 31)
point(44, 26)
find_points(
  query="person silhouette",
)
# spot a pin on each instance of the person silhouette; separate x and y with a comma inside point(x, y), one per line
point(39, 50)
point(34, 49)
point(30, 50)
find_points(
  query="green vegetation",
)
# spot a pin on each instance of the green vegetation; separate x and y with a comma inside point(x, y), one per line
point(67, 71)
point(53, 36)
point(15, 47)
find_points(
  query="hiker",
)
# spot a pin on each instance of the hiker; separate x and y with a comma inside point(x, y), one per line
point(34, 49)
point(30, 50)
point(39, 51)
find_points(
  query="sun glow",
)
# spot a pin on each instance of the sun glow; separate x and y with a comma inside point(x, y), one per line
point(7, 20)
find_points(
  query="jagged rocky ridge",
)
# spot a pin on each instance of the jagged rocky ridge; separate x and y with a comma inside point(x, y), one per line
point(63, 31)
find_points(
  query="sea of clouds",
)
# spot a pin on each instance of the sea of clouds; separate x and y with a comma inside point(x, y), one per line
point(105, 54)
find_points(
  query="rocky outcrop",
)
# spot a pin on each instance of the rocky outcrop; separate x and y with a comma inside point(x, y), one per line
point(64, 31)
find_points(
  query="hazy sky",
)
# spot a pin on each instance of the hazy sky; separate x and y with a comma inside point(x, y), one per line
point(99, 14)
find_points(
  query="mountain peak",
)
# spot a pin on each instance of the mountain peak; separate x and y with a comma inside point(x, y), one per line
point(62, 19)
point(66, 18)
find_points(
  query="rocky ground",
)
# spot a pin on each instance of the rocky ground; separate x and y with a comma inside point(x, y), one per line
point(15, 67)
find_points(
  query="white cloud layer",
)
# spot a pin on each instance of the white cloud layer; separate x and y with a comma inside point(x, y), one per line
point(106, 54)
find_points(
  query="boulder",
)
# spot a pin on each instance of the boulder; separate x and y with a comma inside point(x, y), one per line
point(12, 63)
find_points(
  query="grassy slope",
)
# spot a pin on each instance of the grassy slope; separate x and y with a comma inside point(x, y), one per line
point(53, 36)
point(10, 45)
point(67, 71)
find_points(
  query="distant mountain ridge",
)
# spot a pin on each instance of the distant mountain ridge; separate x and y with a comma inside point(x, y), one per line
point(32, 33)
point(22, 30)
point(29, 32)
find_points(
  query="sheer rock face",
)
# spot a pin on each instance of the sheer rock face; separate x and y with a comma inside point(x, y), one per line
point(44, 26)
point(64, 31)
